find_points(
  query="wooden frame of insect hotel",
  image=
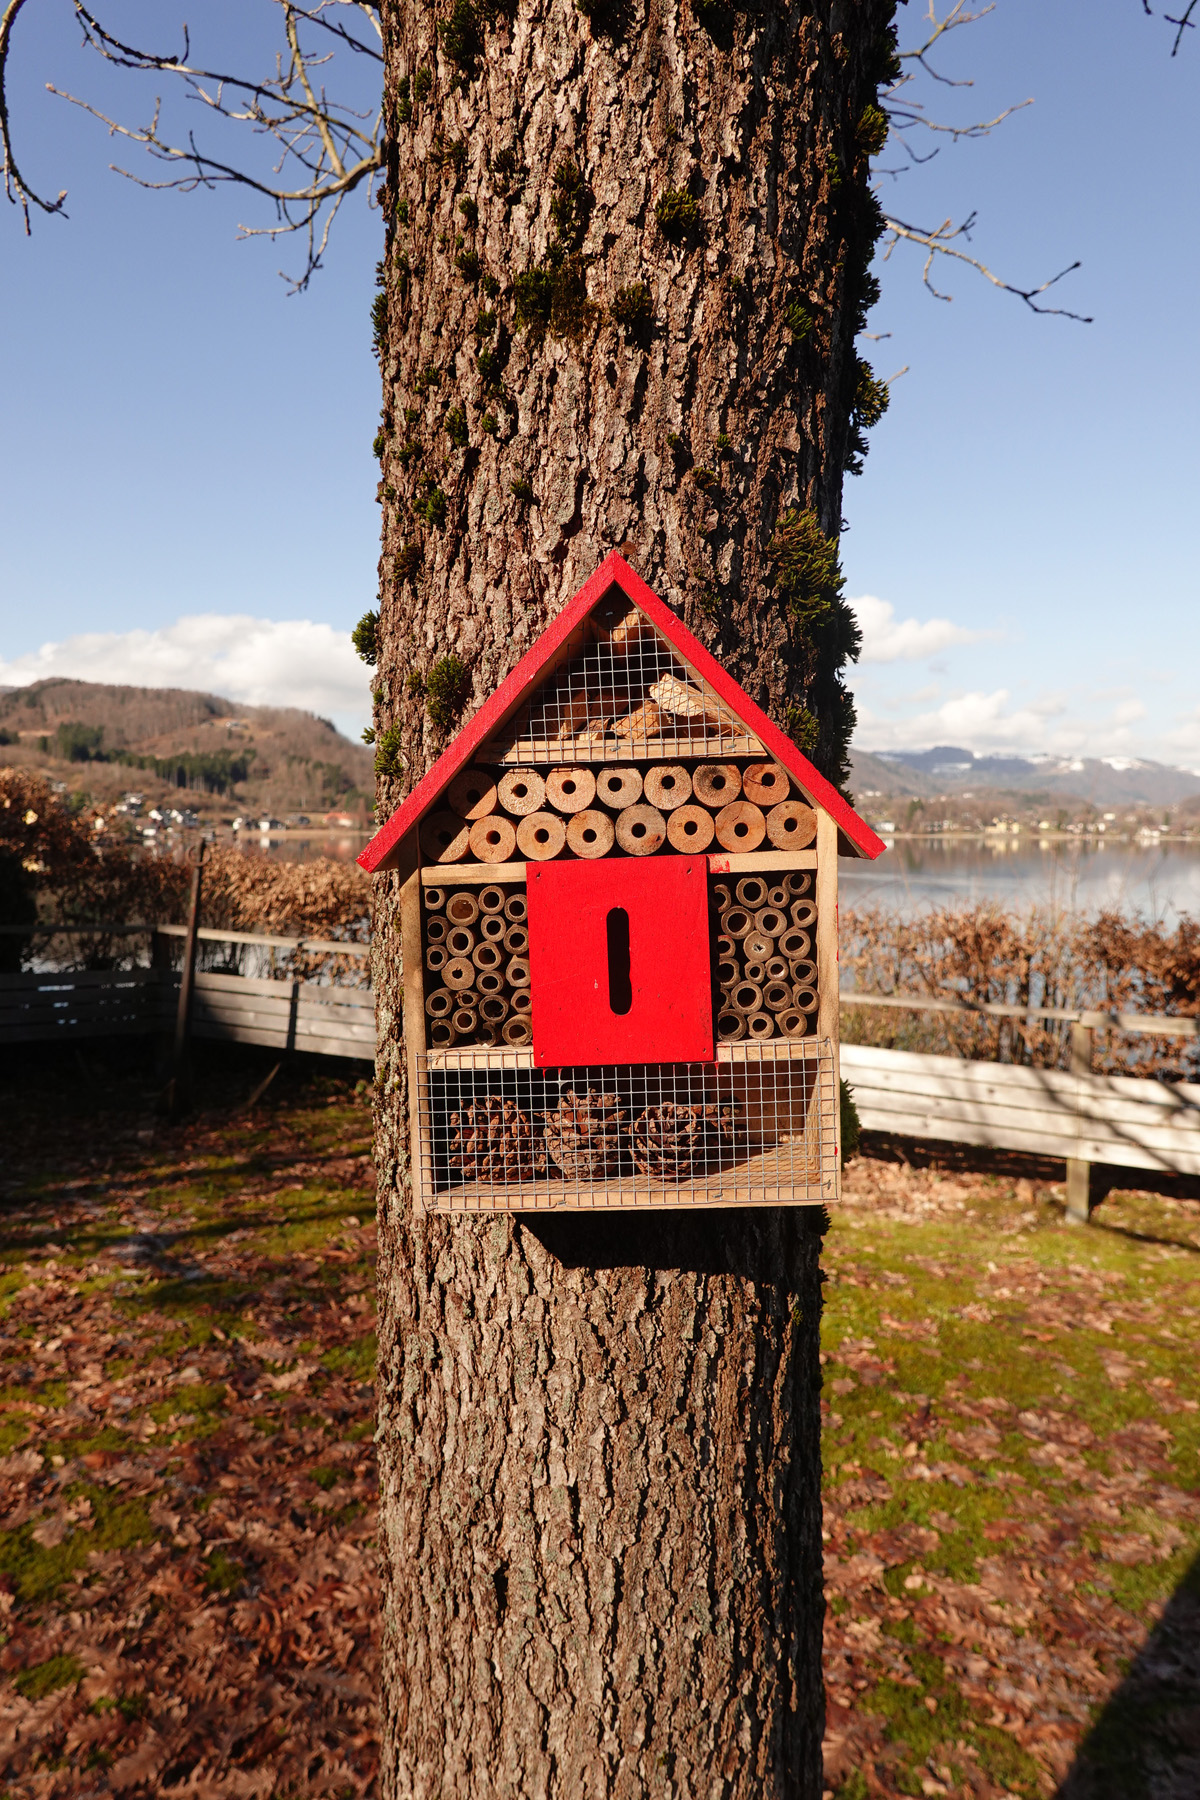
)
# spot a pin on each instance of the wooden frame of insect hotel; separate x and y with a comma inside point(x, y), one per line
point(619, 933)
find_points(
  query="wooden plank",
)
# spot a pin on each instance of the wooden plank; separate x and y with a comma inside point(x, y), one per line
point(828, 1016)
point(1091, 1118)
point(413, 964)
point(472, 874)
point(755, 862)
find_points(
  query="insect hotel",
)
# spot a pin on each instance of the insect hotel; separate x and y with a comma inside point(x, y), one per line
point(619, 933)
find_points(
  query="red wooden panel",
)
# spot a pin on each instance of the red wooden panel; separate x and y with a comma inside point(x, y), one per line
point(669, 997)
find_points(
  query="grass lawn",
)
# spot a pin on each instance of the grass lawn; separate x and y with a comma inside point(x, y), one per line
point(187, 1586)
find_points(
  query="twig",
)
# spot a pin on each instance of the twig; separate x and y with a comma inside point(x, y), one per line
point(940, 242)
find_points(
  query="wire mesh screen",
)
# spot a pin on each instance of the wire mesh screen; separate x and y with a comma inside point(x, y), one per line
point(624, 697)
point(757, 1127)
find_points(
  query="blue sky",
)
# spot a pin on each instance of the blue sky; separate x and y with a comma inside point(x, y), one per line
point(186, 483)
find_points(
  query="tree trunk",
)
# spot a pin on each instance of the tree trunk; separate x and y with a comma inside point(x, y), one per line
point(599, 1438)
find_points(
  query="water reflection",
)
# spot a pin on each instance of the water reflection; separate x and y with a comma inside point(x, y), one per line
point(1160, 880)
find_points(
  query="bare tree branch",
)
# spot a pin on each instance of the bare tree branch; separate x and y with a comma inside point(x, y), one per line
point(906, 114)
point(1184, 22)
point(940, 241)
point(326, 146)
point(17, 190)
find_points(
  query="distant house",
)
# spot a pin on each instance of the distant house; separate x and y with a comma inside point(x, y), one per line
point(342, 819)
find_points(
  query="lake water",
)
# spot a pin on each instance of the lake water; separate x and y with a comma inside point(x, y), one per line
point(1157, 880)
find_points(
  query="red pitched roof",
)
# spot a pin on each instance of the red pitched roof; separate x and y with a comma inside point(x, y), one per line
point(614, 571)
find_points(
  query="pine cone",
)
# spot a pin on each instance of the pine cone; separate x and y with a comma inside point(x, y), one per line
point(492, 1141)
point(587, 1137)
point(675, 1141)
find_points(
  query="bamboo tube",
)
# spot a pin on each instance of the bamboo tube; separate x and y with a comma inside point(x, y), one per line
point(730, 1027)
point(619, 788)
point(726, 945)
point(667, 785)
point(716, 784)
point(487, 956)
point(778, 896)
point(740, 826)
point(736, 922)
point(770, 921)
point(463, 1020)
point(777, 968)
point(435, 898)
point(804, 913)
point(795, 943)
point(752, 892)
point(777, 996)
point(490, 981)
point(754, 971)
point(797, 882)
point(804, 999)
point(516, 940)
point(493, 1009)
point(541, 836)
point(492, 927)
point(517, 973)
point(690, 828)
point(641, 830)
point(570, 790)
point(791, 825)
point(472, 794)
point(491, 900)
point(793, 1023)
point(436, 929)
point(766, 783)
point(435, 957)
point(521, 1000)
point(440, 1003)
point(728, 970)
point(746, 997)
point(459, 973)
point(590, 834)
point(442, 1034)
point(760, 1025)
point(803, 970)
point(723, 894)
point(517, 1031)
point(487, 1033)
point(460, 940)
point(516, 909)
point(462, 908)
point(492, 839)
point(755, 945)
point(521, 792)
point(445, 838)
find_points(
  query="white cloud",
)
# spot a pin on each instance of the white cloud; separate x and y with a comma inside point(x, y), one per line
point(260, 662)
point(980, 722)
point(889, 639)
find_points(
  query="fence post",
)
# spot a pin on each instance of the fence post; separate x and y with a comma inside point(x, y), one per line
point(1079, 1172)
point(178, 1084)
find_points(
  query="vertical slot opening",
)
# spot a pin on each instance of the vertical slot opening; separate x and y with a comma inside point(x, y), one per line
point(620, 993)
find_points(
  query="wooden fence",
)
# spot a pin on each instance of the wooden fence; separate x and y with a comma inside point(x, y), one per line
point(1076, 1115)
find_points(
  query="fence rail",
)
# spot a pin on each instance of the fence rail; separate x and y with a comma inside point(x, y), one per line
point(1076, 1115)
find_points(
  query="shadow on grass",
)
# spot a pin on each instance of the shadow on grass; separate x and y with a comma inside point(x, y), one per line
point(1145, 1744)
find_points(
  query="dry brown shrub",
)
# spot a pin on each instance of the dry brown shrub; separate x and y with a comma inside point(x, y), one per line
point(36, 827)
point(983, 955)
point(322, 898)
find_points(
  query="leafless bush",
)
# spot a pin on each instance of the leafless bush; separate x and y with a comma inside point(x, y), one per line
point(983, 955)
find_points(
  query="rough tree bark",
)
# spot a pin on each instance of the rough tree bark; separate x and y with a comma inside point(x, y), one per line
point(626, 262)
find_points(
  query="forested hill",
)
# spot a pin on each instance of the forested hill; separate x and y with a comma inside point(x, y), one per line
point(214, 755)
